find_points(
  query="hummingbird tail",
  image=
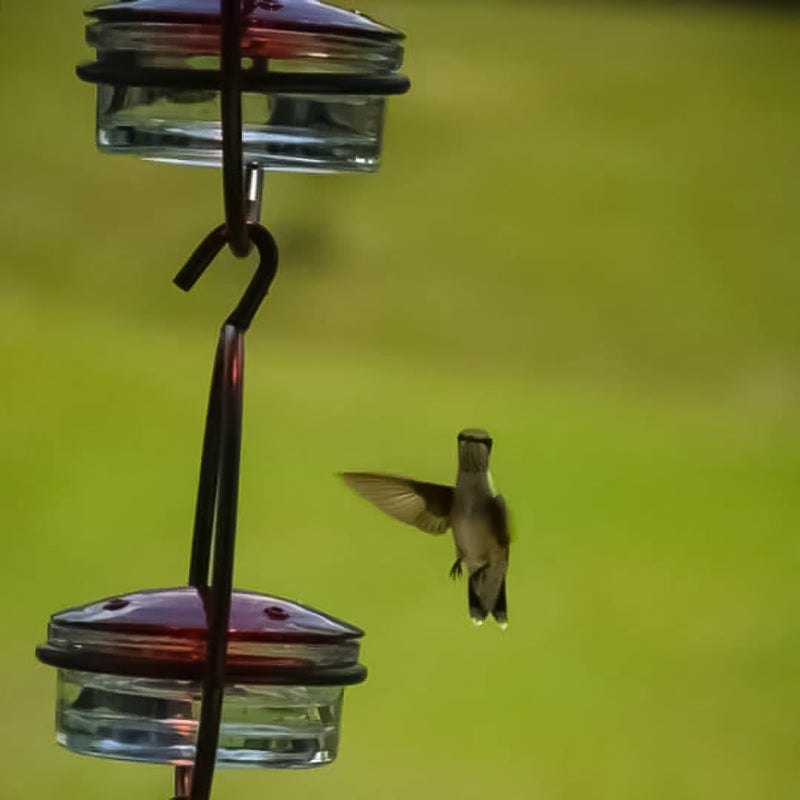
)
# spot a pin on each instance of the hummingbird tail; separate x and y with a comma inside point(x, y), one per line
point(476, 609)
point(500, 612)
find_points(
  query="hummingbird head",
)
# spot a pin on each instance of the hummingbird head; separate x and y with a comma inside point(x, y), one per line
point(474, 446)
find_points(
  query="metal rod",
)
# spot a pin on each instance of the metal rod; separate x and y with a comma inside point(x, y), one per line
point(200, 560)
point(231, 111)
point(183, 781)
point(257, 289)
point(218, 490)
point(255, 191)
point(218, 596)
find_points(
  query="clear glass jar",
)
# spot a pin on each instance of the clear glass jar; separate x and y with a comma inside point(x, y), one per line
point(314, 80)
point(130, 673)
point(156, 721)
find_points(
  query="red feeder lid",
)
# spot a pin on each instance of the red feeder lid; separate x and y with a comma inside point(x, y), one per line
point(296, 15)
point(162, 634)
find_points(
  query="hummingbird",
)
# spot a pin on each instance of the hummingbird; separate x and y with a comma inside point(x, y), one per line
point(476, 515)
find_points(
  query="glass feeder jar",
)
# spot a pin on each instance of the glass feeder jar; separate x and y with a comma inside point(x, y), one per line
point(314, 80)
point(130, 670)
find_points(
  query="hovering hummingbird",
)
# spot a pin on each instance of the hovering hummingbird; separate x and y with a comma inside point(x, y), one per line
point(471, 508)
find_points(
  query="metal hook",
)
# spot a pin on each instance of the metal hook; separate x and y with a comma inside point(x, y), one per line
point(257, 289)
point(218, 489)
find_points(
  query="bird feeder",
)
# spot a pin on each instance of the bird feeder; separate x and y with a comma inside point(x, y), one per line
point(130, 672)
point(313, 78)
point(206, 675)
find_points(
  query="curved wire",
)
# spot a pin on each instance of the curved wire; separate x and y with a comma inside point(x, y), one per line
point(257, 289)
point(209, 248)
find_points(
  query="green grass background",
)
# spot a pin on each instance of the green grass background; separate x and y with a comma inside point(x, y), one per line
point(585, 239)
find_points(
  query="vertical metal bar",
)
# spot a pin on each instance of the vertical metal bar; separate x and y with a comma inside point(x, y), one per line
point(255, 191)
point(218, 596)
point(200, 561)
point(218, 491)
point(230, 459)
point(183, 782)
point(231, 109)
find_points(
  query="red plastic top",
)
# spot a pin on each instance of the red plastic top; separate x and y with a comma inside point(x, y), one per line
point(180, 613)
point(162, 634)
point(296, 15)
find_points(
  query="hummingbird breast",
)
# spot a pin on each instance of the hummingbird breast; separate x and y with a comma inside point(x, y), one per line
point(472, 523)
point(474, 540)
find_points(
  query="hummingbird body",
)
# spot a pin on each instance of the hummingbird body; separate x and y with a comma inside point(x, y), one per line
point(476, 515)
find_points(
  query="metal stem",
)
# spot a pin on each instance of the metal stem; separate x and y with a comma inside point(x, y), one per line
point(255, 191)
point(231, 110)
point(218, 492)
point(202, 538)
point(227, 386)
point(183, 781)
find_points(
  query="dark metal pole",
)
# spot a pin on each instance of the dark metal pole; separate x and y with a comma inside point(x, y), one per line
point(218, 490)
point(214, 538)
point(231, 107)
point(183, 782)
point(228, 387)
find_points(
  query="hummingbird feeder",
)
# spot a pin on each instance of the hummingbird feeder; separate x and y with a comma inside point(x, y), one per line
point(313, 79)
point(130, 673)
point(205, 675)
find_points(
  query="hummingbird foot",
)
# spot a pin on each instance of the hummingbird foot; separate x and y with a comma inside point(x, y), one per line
point(455, 570)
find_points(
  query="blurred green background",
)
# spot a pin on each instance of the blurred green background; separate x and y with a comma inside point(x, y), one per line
point(585, 239)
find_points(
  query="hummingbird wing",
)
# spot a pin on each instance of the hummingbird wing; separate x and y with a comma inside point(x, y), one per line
point(424, 505)
point(500, 526)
